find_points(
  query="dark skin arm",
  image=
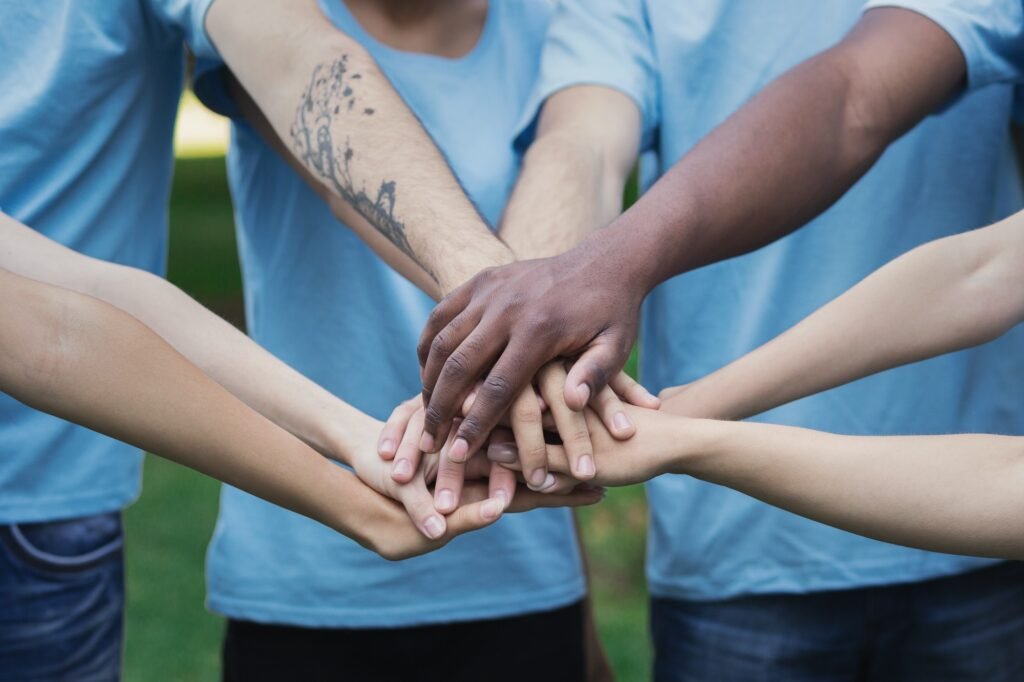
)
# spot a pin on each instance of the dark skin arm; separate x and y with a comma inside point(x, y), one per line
point(828, 120)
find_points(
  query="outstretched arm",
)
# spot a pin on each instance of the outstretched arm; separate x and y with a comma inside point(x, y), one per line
point(337, 113)
point(958, 493)
point(81, 359)
point(946, 295)
point(828, 120)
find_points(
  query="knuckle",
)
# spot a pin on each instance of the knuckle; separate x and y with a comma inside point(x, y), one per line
point(455, 367)
point(580, 437)
point(497, 387)
point(526, 414)
point(440, 345)
point(470, 427)
point(432, 417)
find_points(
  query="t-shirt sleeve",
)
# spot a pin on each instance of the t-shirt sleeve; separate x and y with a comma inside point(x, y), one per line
point(990, 33)
point(597, 42)
point(189, 16)
point(210, 87)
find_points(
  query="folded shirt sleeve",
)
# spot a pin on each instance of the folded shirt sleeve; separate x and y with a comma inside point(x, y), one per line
point(990, 33)
point(189, 17)
point(597, 42)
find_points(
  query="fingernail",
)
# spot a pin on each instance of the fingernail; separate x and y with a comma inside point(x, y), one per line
point(503, 452)
point(402, 468)
point(621, 421)
point(434, 527)
point(459, 451)
point(549, 483)
point(538, 478)
point(387, 446)
point(585, 466)
point(445, 500)
point(584, 393)
point(427, 443)
point(503, 496)
point(491, 509)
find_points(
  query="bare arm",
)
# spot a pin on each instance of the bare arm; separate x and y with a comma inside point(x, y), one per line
point(574, 171)
point(828, 120)
point(84, 360)
point(327, 99)
point(958, 493)
point(949, 294)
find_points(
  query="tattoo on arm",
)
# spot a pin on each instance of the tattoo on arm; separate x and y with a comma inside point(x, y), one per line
point(329, 97)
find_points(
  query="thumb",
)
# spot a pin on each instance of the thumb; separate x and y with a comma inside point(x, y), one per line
point(474, 516)
point(590, 372)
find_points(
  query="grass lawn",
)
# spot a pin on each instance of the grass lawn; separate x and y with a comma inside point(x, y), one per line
point(170, 635)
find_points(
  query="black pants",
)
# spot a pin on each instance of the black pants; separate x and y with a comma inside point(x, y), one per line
point(538, 647)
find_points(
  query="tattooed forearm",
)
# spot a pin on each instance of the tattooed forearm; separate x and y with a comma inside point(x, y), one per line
point(329, 97)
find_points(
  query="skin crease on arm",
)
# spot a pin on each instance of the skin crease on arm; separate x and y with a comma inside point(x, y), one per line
point(339, 115)
point(829, 119)
point(949, 294)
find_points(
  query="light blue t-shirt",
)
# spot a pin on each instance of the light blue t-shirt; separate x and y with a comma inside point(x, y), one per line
point(688, 65)
point(90, 92)
point(322, 301)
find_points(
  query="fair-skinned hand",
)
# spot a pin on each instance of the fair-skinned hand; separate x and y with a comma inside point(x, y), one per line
point(531, 414)
point(648, 454)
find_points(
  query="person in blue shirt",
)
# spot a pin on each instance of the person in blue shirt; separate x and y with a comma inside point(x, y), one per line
point(309, 604)
point(86, 135)
point(771, 114)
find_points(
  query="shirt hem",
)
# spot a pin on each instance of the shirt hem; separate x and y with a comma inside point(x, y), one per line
point(877, 576)
point(430, 614)
point(35, 511)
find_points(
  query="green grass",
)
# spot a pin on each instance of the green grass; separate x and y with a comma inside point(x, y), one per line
point(171, 637)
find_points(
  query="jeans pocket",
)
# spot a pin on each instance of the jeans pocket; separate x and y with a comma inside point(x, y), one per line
point(66, 546)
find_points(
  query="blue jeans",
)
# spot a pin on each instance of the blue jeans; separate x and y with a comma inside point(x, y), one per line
point(62, 600)
point(964, 628)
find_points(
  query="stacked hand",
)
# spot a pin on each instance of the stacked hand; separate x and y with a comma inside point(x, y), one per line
point(516, 464)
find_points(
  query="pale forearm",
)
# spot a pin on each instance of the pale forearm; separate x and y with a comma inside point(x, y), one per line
point(225, 354)
point(339, 115)
point(959, 493)
point(83, 360)
point(573, 173)
point(947, 295)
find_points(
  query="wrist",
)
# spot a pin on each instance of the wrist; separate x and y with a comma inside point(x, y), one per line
point(473, 258)
point(696, 444)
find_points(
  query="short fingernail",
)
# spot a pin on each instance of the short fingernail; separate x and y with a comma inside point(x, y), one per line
point(445, 500)
point(503, 452)
point(387, 446)
point(584, 393)
point(503, 496)
point(427, 443)
point(621, 421)
point(491, 509)
point(459, 451)
point(585, 466)
point(549, 483)
point(538, 478)
point(402, 468)
point(434, 527)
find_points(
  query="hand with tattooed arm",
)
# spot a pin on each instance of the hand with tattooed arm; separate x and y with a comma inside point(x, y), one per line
point(332, 113)
point(827, 121)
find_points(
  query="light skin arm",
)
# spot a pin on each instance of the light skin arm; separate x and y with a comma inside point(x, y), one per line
point(955, 493)
point(327, 99)
point(226, 355)
point(84, 360)
point(946, 295)
point(827, 120)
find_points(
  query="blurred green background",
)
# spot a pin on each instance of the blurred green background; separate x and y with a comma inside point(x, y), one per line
point(170, 634)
